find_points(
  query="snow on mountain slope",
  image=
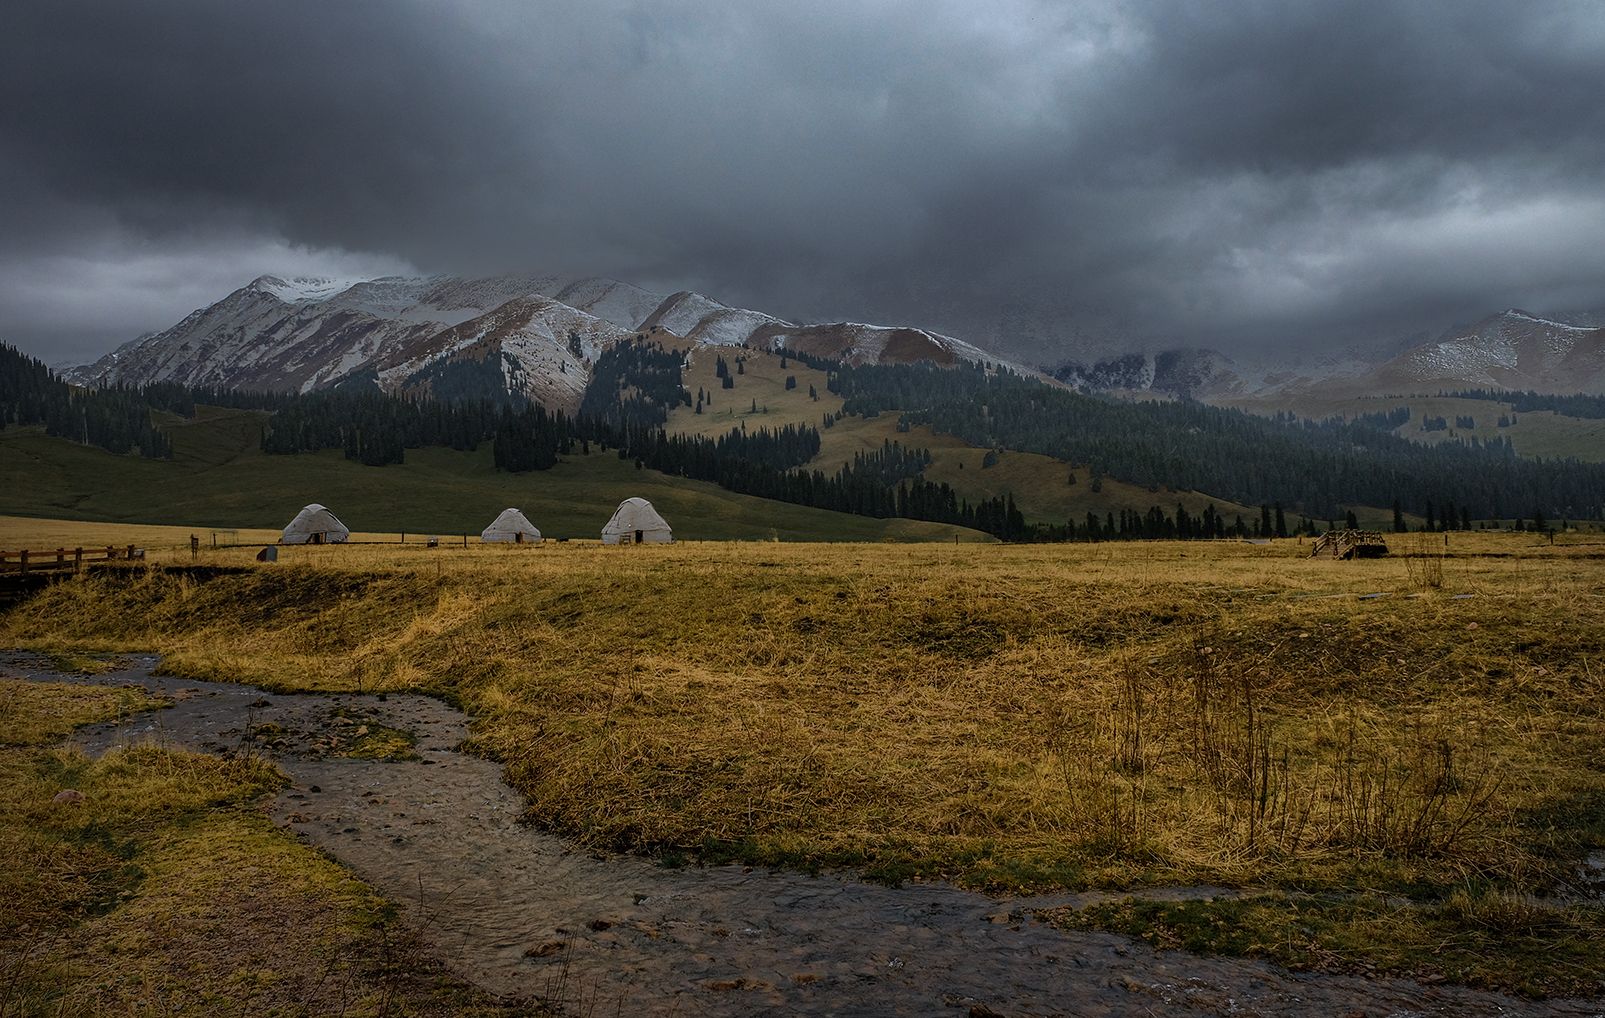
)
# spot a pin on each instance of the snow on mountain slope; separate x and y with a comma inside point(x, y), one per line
point(1509, 350)
point(706, 320)
point(449, 294)
point(624, 305)
point(300, 289)
point(246, 339)
point(1182, 374)
point(533, 346)
point(309, 333)
point(304, 334)
point(859, 343)
point(385, 297)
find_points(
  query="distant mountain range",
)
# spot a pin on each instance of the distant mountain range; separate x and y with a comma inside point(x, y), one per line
point(1511, 350)
point(531, 336)
point(537, 336)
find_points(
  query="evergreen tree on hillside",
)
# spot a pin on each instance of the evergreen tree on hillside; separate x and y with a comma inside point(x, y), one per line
point(1315, 466)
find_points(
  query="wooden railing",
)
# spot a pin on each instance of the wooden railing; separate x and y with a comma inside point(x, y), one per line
point(1347, 544)
point(61, 559)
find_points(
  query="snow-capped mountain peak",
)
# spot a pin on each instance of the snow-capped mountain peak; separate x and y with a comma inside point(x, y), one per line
point(299, 289)
point(303, 333)
point(1513, 349)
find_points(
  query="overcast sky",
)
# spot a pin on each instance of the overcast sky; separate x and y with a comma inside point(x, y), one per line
point(1032, 175)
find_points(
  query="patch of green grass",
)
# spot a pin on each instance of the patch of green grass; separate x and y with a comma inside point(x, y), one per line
point(1479, 936)
point(363, 738)
point(80, 664)
point(37, 713)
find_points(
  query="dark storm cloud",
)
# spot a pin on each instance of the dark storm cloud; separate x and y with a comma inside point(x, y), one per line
point(1030, 174)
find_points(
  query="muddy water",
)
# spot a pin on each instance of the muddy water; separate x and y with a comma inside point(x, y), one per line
point(527, 914)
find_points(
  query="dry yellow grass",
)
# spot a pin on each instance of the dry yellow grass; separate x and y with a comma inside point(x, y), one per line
point(1010, 716)
point(18, 532)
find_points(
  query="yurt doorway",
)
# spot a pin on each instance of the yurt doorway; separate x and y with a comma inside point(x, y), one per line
point(639, 537)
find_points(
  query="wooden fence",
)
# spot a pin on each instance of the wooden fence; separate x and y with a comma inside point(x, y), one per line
point(64, 559)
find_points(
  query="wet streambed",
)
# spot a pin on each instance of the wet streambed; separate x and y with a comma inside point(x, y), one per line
point(530, 914)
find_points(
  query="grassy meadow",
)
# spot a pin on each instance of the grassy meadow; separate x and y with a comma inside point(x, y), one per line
point(1413, 743)
point(220, 478)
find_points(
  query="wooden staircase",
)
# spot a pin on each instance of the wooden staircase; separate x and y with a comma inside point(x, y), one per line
point(1349, 544)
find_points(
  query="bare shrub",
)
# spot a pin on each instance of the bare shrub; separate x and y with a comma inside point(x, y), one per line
point(1419, 799)
point(1424, 562)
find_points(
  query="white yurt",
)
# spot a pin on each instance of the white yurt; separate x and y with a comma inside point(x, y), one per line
point(636, 522)
point(315, 525)
point(511, 527)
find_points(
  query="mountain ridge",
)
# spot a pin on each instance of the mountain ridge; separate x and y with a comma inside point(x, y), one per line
point(302, 333)
point(305, 333)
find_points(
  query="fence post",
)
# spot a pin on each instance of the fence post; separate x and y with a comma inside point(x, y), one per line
point(25, 560)
point(130, 553)
point(61, 557)
point(77, 560)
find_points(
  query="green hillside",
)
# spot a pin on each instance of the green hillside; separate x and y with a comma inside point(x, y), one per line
point(1040, 484)
point(1533, 433)
point(219, 478)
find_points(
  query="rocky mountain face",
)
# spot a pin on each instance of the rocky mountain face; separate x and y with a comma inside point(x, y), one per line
point(1510, 350)
point(536, 337)
point(533, 336)
point(1175, 374)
